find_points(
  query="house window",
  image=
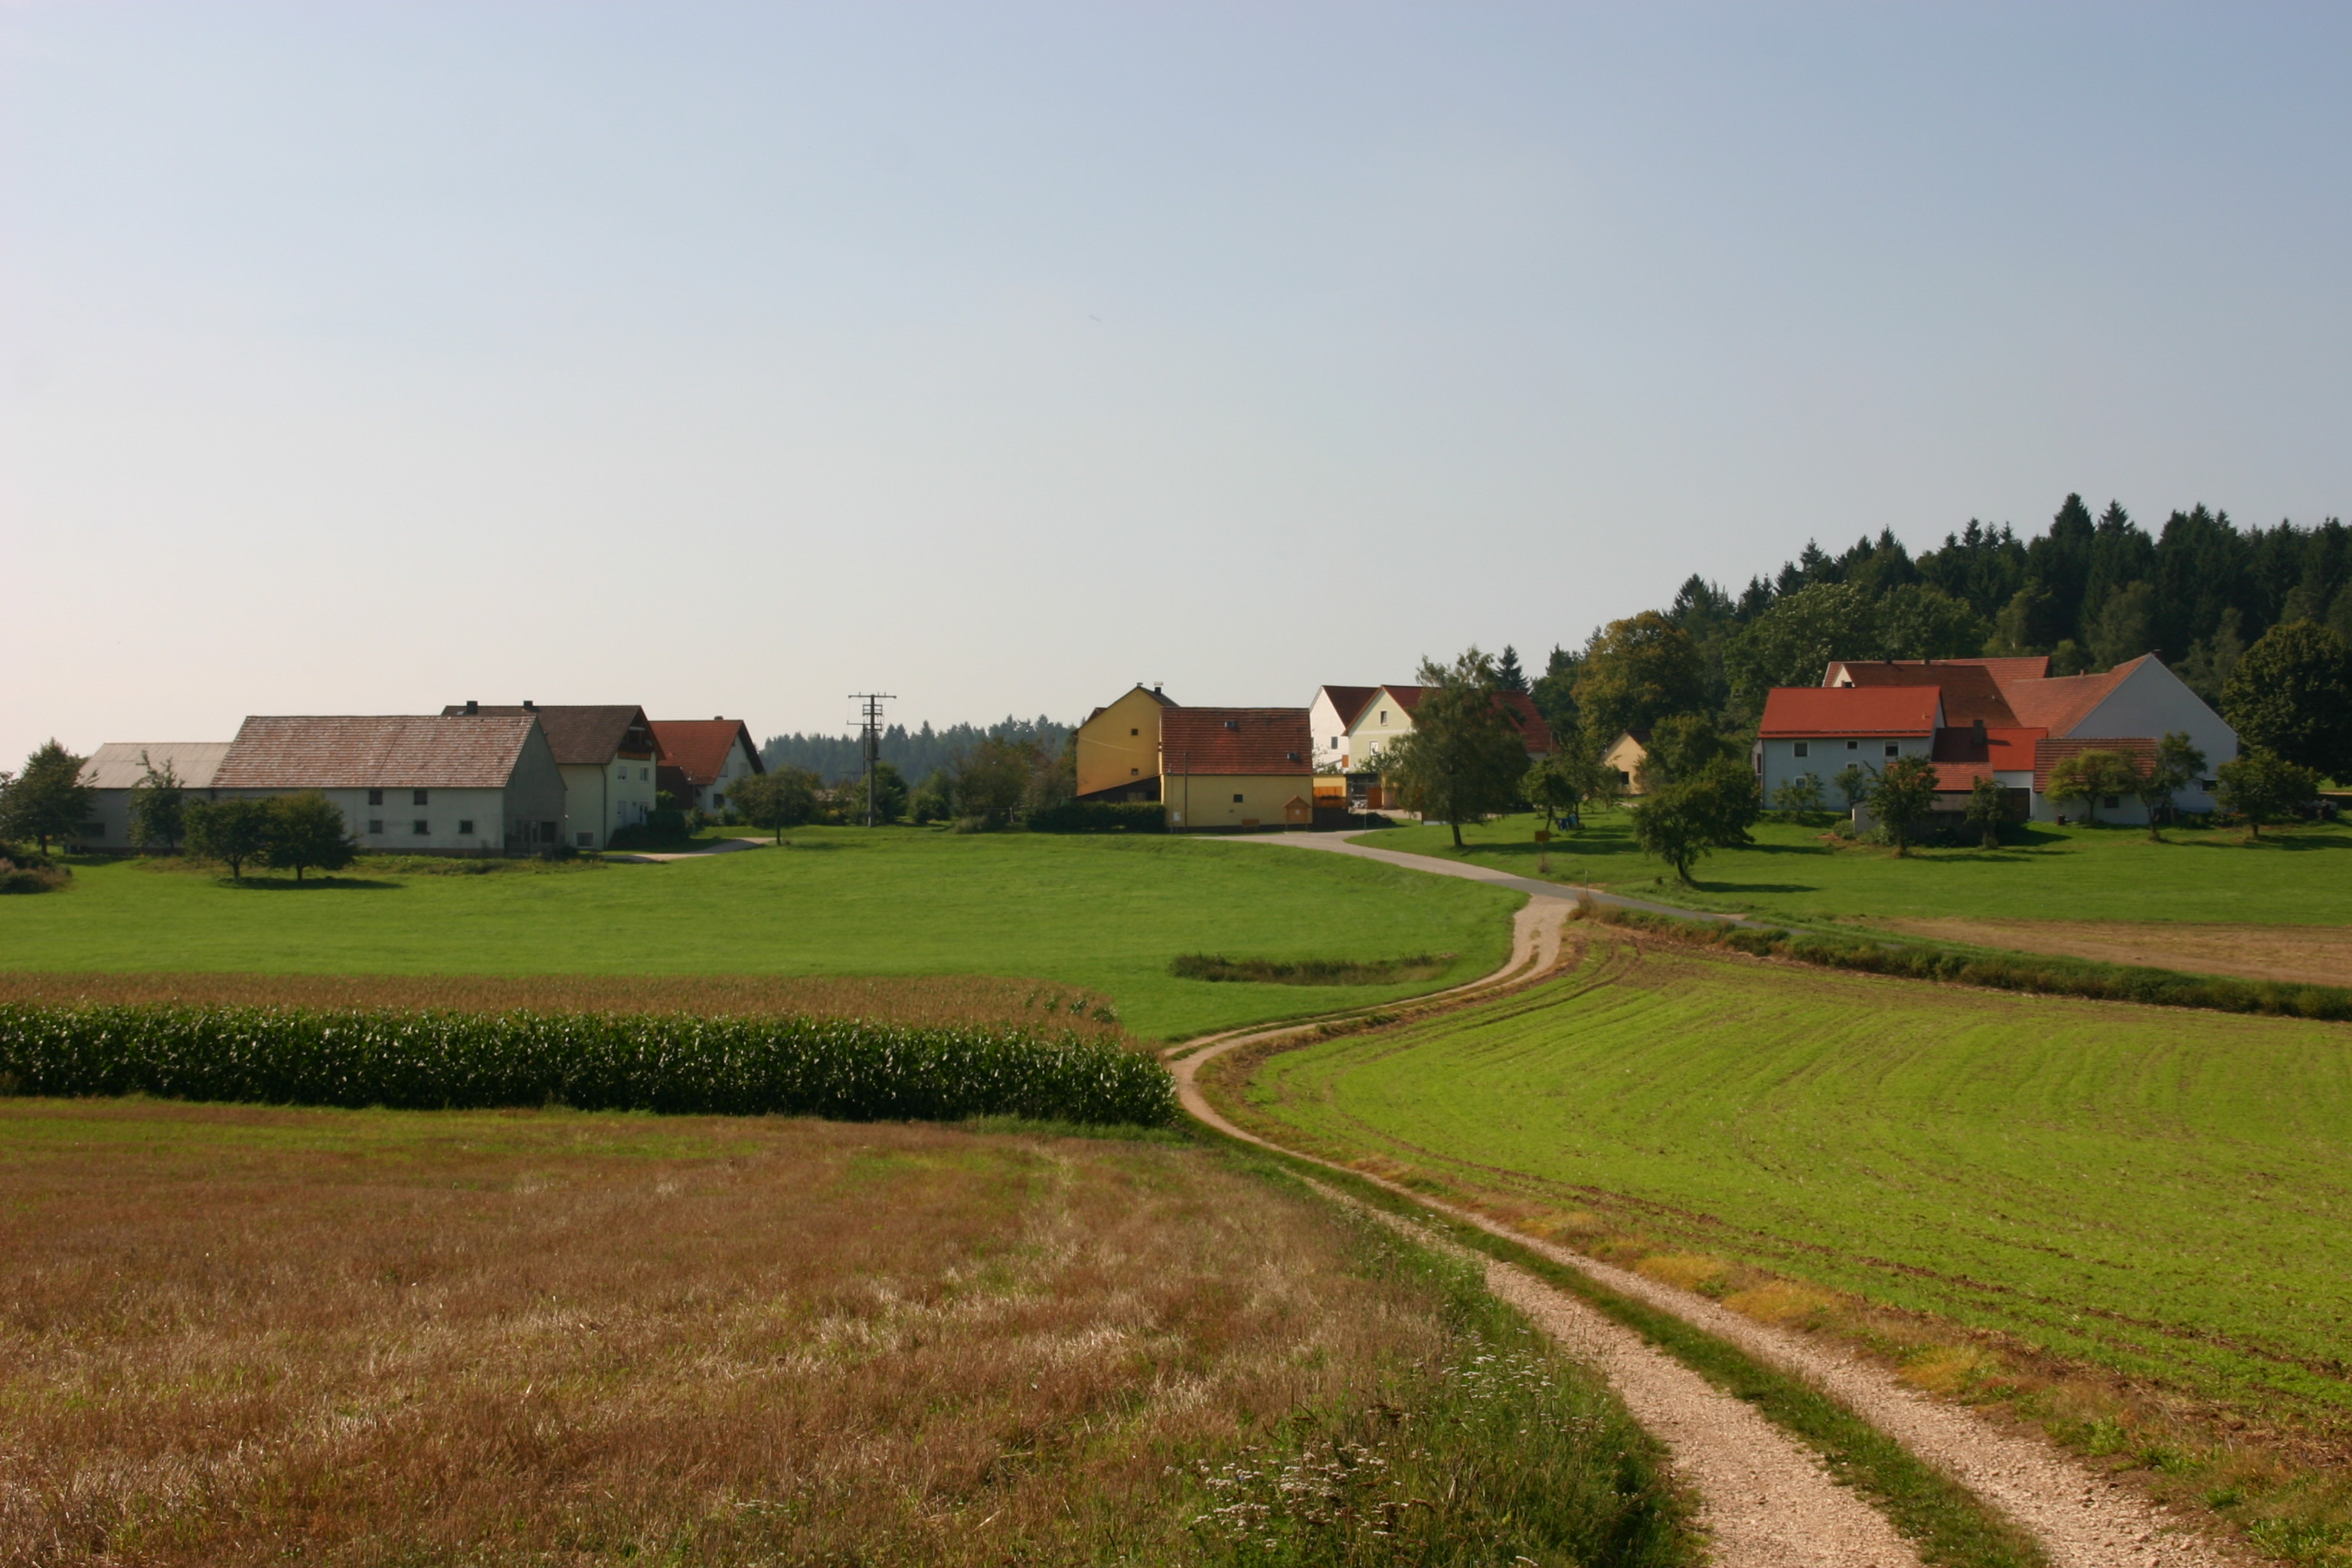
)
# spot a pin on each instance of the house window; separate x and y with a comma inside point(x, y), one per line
point(1893, 750)
point(718, 800)
point(375, 797)
point(547, 834)
point(2111, 802)
point(1384, 715)
point(1237, 800)
point(1853, 745)
point(587, 840)
point(465, 828)
point(644, 773)
point(375, 823)
point(1134, 773)
point(1804, 749)
point(420, 827)
point(416, 797)
point(1135, 731)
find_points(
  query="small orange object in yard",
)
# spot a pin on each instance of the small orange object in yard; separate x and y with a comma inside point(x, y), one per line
point(1543, 835)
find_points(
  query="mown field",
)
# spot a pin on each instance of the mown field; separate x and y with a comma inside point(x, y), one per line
point(2163, 1194)
point(233, 1334)
point(1105, 915)
point(2293, 877)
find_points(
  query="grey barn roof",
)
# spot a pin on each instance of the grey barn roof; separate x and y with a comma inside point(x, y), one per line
point(580, 736)
point(409, 750)
point(116, 764)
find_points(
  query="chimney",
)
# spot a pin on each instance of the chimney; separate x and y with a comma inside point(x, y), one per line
point(472, 706)
point(528, 706)
point(718, 718)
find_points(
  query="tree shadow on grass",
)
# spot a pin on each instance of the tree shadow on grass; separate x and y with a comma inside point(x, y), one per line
point(2289, 843)
point(1735, 888)
point(288, 885)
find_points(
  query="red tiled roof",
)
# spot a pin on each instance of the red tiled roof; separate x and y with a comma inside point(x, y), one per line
point(697, 748)
point(579, 737)
point(1351, 701)
point(1517, 706)
point(1237, 740)
point(1800, 712)
point(1971, 691)
point(2004, 750)
point(407, 750)
point(2049, 754)
point(2060, 703)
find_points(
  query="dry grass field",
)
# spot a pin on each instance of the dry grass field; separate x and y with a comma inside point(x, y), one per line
point(231, 1335)
point(922, 1000)
point(2308, 955)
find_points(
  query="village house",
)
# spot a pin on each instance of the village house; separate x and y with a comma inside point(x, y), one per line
point(701, 757)
point(608, 756)
point(409, 783)
point(115, 769)
point(1386, 718)
point(1626, 757)
point(1117, 747)
point(1236, 767)
point(2007, 719)
point(1332, 716)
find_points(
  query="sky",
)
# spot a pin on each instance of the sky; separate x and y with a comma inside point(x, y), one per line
point(729, 359)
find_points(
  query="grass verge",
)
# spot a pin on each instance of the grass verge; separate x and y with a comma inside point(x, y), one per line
point(1951, 1527)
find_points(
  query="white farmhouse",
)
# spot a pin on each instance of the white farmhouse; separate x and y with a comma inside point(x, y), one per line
point(410, 783)
point(115, 769)
point(700, 757)
point(609, 757)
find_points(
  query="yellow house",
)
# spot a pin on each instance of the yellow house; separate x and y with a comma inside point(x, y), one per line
point(1387, 716)
point(1236, 767)
point(1119, 748)
point(1628, 753)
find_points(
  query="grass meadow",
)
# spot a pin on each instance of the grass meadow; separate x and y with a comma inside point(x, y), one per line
point(1101, 914)
point(2292, 877)
point(2167, 1195)
point(231, 1335)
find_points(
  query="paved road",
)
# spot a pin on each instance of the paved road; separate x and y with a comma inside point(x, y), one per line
point(1338, 844)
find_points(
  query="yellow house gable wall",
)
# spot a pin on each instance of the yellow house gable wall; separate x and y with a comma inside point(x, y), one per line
point(1121, 745)
point(1198, 801)
point(1383, 720)
point(1627, 757)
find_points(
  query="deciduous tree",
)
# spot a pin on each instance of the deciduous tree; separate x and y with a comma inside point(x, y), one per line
point(2087, 775)
point(1464, 757)
point(1853, 782)
point(46, 799)
point(2292, 694)
point(2262, 786)
point(305, 831)
point(1684, 820)
point(1800, 796)
point(990, 782)
point(158, 806)
point(230, 831)
point(1635, 672)
point(1901, 798)
point(2177, 763)
point(1988, 808)
point(779, 798)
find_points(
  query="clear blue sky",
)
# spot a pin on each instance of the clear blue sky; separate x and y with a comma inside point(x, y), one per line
point(730, 358)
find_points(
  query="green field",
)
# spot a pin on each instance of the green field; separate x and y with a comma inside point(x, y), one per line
point(2167, 1194)
point(2292, 877)
point(1105, 913)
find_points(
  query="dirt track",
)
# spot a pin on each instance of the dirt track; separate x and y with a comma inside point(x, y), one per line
point(1762, 1491)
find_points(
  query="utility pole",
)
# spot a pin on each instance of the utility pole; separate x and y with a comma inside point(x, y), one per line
point(870, 739)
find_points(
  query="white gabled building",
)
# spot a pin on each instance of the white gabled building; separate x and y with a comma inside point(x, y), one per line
point(115, 769)
point(410, 783)
point(610, 758)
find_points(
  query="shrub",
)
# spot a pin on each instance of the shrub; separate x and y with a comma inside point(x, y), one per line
point(1099, 816)
point(848, 1069)
point(40, 877)
point(1310, 971)
point(663, 824)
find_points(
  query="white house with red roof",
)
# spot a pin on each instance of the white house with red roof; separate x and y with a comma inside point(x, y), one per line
point(2008, 718)
point(701, 757)
point(1332, 716)
point(1387, 716)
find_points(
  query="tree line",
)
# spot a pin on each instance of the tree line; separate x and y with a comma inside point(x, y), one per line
point(912, 753)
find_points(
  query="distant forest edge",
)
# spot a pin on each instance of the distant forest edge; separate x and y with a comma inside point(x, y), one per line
point(2091, 592)
point(916, 753)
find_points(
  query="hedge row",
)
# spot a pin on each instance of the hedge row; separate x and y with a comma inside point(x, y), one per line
point(2007, 972)
point(849, 1070)
point(1099, 816)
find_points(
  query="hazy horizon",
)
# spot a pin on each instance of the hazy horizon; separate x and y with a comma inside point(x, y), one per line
point(727, 359)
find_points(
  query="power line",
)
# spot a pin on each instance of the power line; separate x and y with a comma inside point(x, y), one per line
point(870, 739)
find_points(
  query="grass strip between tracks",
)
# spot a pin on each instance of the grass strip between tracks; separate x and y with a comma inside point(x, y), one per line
point(1950, 1526)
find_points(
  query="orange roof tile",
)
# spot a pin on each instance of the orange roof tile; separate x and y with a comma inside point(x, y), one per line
point(697, 748)
point(2062, 701)
point(2048, 753)
point(1798, 711)
point(1970, 690)
point(1238, 740)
